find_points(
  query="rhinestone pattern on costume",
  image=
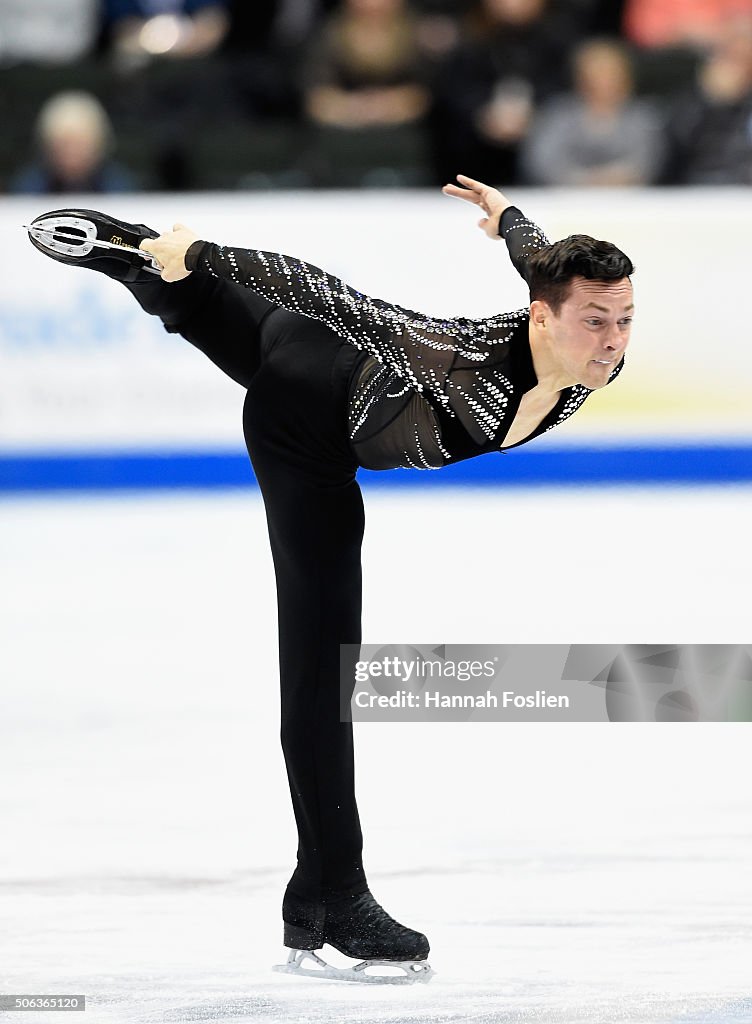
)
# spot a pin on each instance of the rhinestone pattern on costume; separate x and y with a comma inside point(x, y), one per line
point(530, 239)
point(419, 363)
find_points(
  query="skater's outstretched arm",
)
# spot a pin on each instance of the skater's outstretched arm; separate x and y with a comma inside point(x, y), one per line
point(285, 280)
point(419, 348)
point(501, 220)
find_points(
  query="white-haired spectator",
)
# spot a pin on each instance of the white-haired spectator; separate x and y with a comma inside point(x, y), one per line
point(599, 134)
point(47, 31)
point(75, 141)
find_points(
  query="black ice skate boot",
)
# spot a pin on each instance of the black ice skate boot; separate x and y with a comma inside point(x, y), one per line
point(97, 241)
point(358, 927)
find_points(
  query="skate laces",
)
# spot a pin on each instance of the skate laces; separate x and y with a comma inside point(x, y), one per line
point(371, 914)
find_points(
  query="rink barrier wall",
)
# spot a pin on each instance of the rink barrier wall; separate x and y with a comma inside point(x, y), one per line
point(95, 394)
point(562, 467)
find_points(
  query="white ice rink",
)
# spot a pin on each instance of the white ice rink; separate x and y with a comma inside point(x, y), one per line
point(563, 873)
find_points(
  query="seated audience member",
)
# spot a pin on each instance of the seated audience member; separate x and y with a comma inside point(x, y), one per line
point(366, 67)
point(690, 23)
point(274, 23)
point(601, 17)
point(74, 137)
point(262, 50)
point(486, 92)
point(47, 31)
point(710, 129)
point(141, 29)
point(599, 134)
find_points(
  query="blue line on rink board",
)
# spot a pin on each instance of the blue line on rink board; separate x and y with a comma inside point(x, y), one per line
point(118, 471)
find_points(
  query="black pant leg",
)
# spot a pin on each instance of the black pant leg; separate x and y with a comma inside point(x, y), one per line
point(294, 424)
point(218, 317)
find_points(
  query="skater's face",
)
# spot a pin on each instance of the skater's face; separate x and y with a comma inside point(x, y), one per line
point(591, 330)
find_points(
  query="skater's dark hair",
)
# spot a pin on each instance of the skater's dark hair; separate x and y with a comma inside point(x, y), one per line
point(550, 270)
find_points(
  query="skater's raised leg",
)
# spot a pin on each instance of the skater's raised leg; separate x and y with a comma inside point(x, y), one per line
point(220, 318)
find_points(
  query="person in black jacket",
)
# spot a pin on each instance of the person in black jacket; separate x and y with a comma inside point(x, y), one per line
point(709, 130)
point(336, 380)
point(512, 58)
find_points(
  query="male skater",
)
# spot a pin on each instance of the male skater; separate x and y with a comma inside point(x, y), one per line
point(336, 380)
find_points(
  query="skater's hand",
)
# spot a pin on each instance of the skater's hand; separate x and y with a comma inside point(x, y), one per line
point(490, 200)
point(170, 250)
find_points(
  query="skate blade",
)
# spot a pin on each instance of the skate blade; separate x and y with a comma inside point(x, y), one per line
point(414, 970)
point(58, 234)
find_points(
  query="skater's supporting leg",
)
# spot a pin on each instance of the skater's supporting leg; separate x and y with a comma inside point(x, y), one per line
point(316, 550)
point(294, 420)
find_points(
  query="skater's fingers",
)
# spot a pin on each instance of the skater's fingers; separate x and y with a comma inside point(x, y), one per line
point(175, 270)
point(477, 186)
point(461, 193)
point(169, 250)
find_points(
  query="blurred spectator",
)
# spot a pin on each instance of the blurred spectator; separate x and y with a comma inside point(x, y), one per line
point(710, 130)
point(75, 138)
point(366, 67)
point(601, 17)
point(275, 22)
point(141, 29)
point(486, 93)
point(692, 23)
point(262, 50)
point(47, 31)
point(599, 135)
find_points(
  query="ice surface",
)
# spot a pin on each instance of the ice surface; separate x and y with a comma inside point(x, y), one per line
point(563, 873)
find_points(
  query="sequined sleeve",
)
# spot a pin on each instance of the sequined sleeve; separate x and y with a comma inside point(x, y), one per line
point(419, 348)
point(522, 236)
point(303, 288)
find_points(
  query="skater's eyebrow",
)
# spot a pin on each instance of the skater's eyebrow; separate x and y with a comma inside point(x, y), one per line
point(603, 309)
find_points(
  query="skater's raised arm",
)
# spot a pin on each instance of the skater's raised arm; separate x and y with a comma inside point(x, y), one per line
point(301, 287)
point(418, 347)
point(501, 220)
point(370, 324)
point(285, 280)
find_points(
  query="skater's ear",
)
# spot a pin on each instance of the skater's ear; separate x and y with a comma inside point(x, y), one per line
point(540, 311)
